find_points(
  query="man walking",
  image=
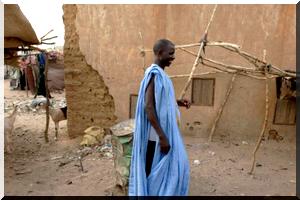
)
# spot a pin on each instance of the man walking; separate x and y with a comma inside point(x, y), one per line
point(159, 163)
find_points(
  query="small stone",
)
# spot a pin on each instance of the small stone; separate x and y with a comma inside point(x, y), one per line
point(69, 182)
point(245, 143)
point(292, 181)
point(213, 190)
point(258, 165)
point(108, 155)
point(56, 157)
point(23, 172)
point(197, 162)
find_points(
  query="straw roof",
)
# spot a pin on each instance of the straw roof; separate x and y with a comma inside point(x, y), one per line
point(17, 29)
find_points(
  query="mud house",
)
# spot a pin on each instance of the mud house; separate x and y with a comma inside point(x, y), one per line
point(103, 67)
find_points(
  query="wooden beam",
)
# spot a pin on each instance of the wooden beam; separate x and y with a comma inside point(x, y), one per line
point(265, 120)
point(198, 55)
point(220, 111)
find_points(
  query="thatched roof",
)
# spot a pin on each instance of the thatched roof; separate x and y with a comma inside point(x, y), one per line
point(17, 29)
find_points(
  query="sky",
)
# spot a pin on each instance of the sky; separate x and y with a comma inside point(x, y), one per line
point(43, 17)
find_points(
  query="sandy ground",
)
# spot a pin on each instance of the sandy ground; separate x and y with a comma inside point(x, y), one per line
point(37, 168)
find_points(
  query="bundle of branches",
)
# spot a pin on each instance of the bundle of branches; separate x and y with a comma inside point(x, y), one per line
point(260, 70)
point(257, 71)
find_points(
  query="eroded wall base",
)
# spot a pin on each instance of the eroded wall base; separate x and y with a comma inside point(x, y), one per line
point(88, 99)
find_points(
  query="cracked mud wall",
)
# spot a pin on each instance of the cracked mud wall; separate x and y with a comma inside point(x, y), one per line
point(109, 40)
point(88, 99)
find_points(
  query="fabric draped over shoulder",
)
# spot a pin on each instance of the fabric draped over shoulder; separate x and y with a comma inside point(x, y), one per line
point(169, 172)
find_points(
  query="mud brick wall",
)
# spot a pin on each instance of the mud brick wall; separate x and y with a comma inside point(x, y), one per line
point(88, 99)
point(109, 42)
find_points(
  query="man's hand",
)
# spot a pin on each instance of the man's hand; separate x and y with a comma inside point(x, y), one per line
point(164, 145)
point(184, 102)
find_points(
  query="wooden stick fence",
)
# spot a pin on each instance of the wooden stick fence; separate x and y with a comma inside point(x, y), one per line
point(265, 121)
point(48, 102)
point(198, 55)
point(261, 70)
point(222, 107)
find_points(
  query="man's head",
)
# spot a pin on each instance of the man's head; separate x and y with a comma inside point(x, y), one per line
point(164, 51)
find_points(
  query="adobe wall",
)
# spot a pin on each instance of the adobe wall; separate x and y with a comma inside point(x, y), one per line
point(109, 40)
point(88, 99)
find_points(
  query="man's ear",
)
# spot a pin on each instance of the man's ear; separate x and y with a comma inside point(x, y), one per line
point(159, 53)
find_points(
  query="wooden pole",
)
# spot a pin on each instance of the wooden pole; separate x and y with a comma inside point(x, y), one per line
point(220, 69)
point(47, 97)
point(49, 38)
point(254, 60)
point(231, 47)
point(25, 73)
point(236, 67)
point(34, 78)
point(245, 55)
point(222, 108)
point(236, 49)
point(195, 75)
point(26, 79)
point(265, 121)
point(198, 56)
point(233, 67)
point(221, 44)
point(46, 34)
point(237, 72)
point(225, 70)
point(32, 70)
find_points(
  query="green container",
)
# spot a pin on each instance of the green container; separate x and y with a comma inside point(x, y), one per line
point(122, 146)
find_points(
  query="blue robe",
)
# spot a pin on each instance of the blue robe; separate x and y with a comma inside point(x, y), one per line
point(170, 173)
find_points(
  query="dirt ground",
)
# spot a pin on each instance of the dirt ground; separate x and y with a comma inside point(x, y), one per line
point(37, 168)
